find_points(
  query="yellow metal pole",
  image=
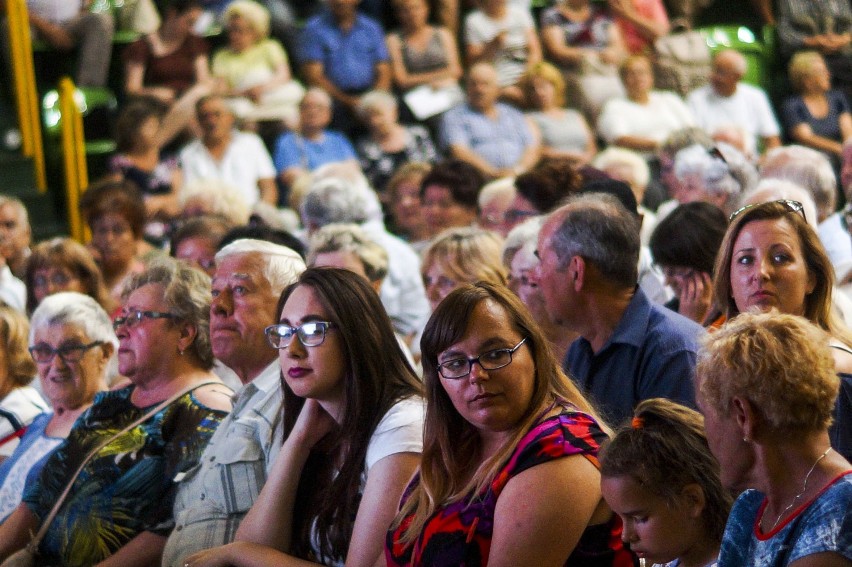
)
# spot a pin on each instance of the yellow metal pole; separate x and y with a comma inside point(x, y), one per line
point(17, 20)
point(26, 93)
point(68, 125)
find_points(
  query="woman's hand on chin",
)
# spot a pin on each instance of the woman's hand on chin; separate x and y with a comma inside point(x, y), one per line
point(312, 424)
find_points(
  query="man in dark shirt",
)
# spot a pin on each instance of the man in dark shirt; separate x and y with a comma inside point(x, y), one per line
point(629, 348)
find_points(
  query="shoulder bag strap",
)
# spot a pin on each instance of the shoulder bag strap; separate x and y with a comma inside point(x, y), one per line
point(33, 545)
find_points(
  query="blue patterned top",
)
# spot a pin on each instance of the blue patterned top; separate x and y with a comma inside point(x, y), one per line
point(822, 525)
point(128, 487)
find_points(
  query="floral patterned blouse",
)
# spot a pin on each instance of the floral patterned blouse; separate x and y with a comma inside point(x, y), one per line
point(128, 487)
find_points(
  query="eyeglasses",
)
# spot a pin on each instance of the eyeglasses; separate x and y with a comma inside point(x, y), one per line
point(792, 206)
point(44, 354)
point(310, 334)
point(515, 215)
point(133, 318)
point(491, 360)
point(58, 279)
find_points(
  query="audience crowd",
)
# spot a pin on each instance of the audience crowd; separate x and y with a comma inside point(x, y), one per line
point(437, 283)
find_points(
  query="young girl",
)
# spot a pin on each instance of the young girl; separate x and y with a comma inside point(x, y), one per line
point(659, 476)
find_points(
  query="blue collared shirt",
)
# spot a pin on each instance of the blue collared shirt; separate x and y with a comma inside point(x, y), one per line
point(651, 354)
point(349, 58)
point(501, 141)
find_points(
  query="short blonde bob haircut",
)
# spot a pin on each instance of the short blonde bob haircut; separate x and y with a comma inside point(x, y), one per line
point(549, 73)
point(468, 255)
point(801, 67)
point(782, 364)
point(253, 13)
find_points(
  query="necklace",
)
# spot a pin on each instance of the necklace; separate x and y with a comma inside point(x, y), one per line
point(804, 489)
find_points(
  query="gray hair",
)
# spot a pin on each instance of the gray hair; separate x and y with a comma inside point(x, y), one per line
point(351, 238)
point(521, 235)
point(597, 227)
point(776, 189)
point(376, 99)
point(640, 174)
point(282, 265)
point(186, 292)
point(77, 310)
point(732, 175)
point(18, 205)
point(339, 199)
point(806, 167)
point(503, 186)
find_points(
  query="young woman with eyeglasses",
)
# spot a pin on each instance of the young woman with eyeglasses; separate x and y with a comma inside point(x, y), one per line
point(509, 473)
point(771, 258)
point(353, 418)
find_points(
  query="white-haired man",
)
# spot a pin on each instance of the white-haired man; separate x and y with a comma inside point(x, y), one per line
point(728, 101)
point(213, 497)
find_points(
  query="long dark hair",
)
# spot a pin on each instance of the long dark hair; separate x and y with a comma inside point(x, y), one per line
point(378, 375)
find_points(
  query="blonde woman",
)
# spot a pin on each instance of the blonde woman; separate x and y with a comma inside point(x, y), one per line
point(817, 116)
point(253, 69)
point(461, 255)
point(564, 131)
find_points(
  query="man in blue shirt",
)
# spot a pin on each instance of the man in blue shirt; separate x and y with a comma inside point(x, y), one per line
point(629, 348)
point(344, 53)
point(493, 136)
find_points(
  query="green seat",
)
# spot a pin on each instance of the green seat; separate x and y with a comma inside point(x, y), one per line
point(743, 40)
point(98, 107)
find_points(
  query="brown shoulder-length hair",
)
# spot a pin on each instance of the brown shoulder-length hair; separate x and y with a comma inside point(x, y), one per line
point(818, 304)
point(450, 468)
point(377, 376)
point(119, 197)
point(15, 332)
point(74, 257)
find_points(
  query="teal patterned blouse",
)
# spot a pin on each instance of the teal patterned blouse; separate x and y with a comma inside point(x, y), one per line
point(128, 487)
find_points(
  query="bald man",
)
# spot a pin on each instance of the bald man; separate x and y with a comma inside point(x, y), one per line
point(727, 101)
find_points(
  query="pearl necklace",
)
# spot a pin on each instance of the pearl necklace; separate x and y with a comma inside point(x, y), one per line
point(804, 489)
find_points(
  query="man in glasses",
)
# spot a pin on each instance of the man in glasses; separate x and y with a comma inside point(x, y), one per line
point(630, 349)
point(214, 497)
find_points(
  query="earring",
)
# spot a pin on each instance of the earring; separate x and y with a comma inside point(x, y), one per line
point(745, 439)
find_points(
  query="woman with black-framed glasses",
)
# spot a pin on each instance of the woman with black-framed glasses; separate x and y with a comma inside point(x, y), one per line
point(71, 342)
point(119, 509)
point(772, 259)
point(509, 470)
point(353, 431)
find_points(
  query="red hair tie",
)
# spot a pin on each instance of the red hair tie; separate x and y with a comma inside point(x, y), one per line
point(637, 423)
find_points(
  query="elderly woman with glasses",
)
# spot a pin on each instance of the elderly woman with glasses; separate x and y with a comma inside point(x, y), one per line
point(63, 264)
point(771, 259)
point(71, 341)
point(353, 431)
point(118, 509)
point(509, 472)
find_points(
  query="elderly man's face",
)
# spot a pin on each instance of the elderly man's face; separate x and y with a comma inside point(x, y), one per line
point(14, 233)
point(482, 88)
point(215, 118)
point(243, 306)
point(550, 276)
point(725, 75)
point(315, 112)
